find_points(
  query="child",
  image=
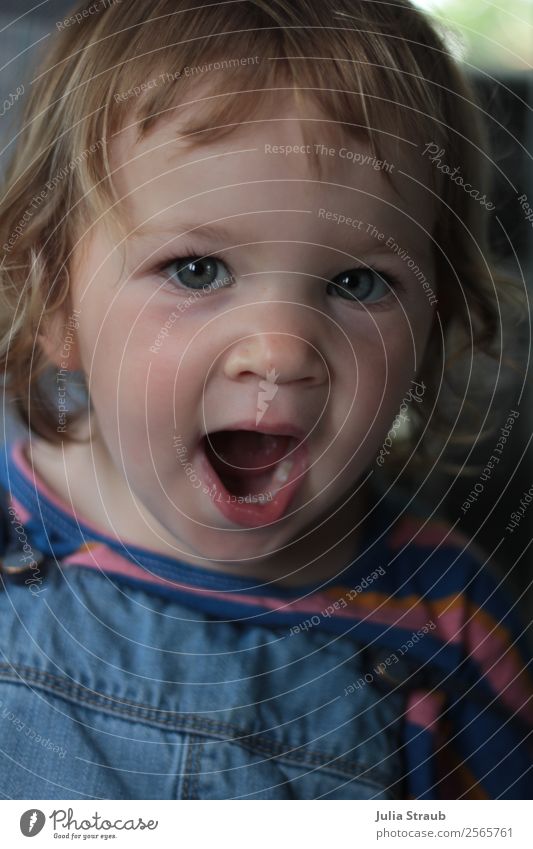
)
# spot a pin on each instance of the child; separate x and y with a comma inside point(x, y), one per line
point(224, 223)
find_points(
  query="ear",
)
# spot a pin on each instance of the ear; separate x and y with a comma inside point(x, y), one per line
point(58, 338)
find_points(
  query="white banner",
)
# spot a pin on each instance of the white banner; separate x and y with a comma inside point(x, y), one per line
point(249, 824)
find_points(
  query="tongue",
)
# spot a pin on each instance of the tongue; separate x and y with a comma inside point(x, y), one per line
point(246, 452)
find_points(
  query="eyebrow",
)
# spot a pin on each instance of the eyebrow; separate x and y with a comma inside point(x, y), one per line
point(221, 232)
point(210, 231)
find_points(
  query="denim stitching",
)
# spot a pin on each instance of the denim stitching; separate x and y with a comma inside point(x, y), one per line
point(198, 750)
point(187, 768)
point(182, 722)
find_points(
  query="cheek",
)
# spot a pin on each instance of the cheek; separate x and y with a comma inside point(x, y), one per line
point(382, 348)
point(387, 354)
point(149, 374)
point(125, 377)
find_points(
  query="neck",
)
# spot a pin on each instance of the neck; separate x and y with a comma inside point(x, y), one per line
point(84, 478)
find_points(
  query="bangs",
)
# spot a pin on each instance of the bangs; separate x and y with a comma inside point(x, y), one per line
point(356, 79)
point(219, 66)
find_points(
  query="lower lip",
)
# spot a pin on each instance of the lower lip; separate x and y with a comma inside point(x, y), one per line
point(248, 513)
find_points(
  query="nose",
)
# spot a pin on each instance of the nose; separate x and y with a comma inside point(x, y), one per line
point(286, 355)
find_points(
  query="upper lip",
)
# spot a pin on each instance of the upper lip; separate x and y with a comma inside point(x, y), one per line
point(276, 428)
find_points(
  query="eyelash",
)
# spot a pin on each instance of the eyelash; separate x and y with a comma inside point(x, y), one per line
point(396, 284)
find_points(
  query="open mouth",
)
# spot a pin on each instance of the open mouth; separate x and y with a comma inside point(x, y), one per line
point(250, 463)
point(252, 478)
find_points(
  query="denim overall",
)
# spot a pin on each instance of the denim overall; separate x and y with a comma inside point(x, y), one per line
point(125, 674)
point(110, 690)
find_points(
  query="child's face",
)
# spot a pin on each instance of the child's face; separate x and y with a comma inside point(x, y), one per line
point(166, 365)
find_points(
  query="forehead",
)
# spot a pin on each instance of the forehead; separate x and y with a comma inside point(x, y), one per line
point(273, 161)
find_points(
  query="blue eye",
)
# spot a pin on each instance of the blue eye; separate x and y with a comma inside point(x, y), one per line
point(207, 273)
point(363, 284)
point(193, 272)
